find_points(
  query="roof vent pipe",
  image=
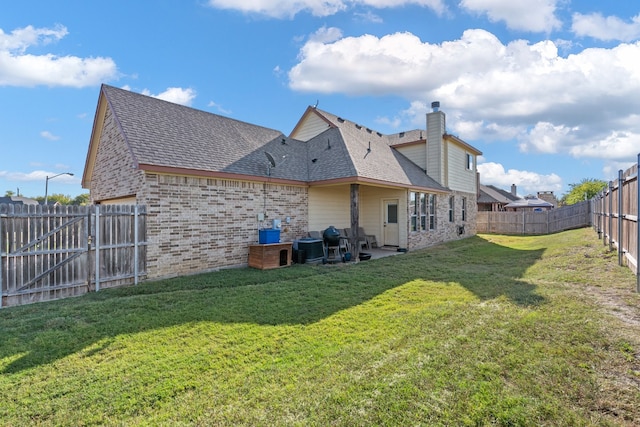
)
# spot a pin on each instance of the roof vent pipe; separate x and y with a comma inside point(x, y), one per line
point(435, 106)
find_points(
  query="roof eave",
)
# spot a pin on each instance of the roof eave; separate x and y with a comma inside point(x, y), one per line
point(375, 182)
point(465, 145)
point(170, 170)
point(94, 140)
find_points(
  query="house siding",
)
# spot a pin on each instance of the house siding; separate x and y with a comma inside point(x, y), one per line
point(372, 211)
point(198, 224)
point(435, 147)
point(417, 153)
point(460, 178)
point(312, 126)
point(329, 206)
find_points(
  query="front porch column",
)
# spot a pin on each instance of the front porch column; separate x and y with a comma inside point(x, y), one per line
point(355, 220)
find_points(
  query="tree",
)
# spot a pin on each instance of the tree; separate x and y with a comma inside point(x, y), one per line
point(81, 199)
point(55, 198)
point(9, 193)
point(584, 190)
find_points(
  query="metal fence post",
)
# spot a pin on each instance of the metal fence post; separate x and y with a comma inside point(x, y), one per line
point(610, 213)
point(135, 245)
point(2, 248)
point(620, 216)
point(638, 225)
point(97, 248)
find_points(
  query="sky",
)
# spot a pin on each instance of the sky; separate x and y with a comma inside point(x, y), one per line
point(548, 90)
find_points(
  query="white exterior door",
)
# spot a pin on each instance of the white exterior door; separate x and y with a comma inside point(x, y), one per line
point(391, 226)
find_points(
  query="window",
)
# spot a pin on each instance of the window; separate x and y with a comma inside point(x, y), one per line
point(464, 208)
point(423, 211)
point(469, 162)
point(452, 205)
point(432, 211)
point(413, 208)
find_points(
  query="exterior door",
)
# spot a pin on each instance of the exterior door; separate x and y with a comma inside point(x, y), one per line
point(391, 226)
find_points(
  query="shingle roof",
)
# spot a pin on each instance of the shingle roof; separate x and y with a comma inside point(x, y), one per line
point(168, 135)
point(491, 194)
point(161, 133)
point(360, 151)
point(529, 201)
point(18, 200)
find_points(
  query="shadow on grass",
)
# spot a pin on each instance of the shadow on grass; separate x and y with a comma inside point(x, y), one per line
point(302, 294)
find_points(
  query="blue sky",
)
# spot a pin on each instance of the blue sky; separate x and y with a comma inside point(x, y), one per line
point(548, 90)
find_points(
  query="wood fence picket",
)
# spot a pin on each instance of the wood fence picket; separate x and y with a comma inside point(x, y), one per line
point(51, 252)
point(615, 217)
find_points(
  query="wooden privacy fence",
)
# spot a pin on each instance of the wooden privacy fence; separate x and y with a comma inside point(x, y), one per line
point(615, 217)
point(52, 252)
point(528, 222)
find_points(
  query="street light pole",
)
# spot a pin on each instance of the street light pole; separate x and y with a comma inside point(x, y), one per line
point(46, 185)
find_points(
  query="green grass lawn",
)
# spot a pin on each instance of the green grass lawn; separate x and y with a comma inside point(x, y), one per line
point(489, 330)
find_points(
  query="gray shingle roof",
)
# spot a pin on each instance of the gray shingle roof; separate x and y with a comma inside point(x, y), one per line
point(164, 134)
point(491, 194)
point(529, 201)
point(363, 152)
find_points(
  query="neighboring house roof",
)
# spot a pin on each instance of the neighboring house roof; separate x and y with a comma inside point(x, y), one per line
point(529, 201)
point(491, 194)
point(18, 200)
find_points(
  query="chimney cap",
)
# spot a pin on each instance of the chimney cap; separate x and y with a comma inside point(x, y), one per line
point(435, 105)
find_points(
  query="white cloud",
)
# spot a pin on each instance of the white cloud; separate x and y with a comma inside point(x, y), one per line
point(325, 35)
point(547, 138)
point(615, 146)
point(369, 16)
point(606, 28)
point(526, 181)
point(37, 176)
point(612, 167)
point(219, 108)
point(527, 15)
point(48, 135)
point(394, 122)
point(490, 90)
point(288, 9)
point(176, 95)
point(18, 68)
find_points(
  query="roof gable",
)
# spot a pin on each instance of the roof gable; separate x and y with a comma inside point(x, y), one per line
point(161, 135)
point(367, 154)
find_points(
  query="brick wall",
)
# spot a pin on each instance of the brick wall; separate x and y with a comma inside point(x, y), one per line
point(446, 230)
point(114, 175)
point(200, 224)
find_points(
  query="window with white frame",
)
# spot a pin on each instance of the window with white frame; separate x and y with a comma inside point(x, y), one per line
point(452, 208)
point(432, 211)
point(423, 211)
point(414, 209)
point(464, 208)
